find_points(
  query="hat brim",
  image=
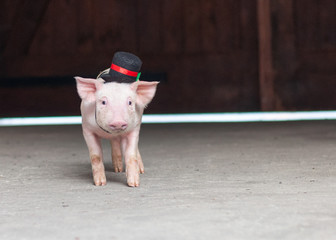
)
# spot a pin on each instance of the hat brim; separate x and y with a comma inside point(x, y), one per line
point(114, 76)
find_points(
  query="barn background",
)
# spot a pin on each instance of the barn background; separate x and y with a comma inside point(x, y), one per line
point(209, 55)
point(261, 180)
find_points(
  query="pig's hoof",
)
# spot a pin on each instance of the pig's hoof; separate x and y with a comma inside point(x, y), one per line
point(117, 165)
point(141, 166)
point(118, 168)
point(133, 182)
point(142, 170)
point(132, 173)
point(133, 179)
point(99, 180)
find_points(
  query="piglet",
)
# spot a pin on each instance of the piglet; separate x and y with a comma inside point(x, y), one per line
point(113, 111)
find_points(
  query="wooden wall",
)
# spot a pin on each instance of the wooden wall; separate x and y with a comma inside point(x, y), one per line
point(205, 52)
point(304, 53)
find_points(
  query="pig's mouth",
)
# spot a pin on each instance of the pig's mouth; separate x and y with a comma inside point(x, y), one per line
point(109, 130)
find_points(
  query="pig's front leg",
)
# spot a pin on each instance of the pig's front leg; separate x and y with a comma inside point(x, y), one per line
point(96, 156)
point(130, 149)
point(116, 154)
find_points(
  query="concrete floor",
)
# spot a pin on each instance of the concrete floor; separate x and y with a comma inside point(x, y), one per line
point(202, 181)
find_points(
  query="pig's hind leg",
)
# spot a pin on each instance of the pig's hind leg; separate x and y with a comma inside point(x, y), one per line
point(141, 166)
point(116, 154)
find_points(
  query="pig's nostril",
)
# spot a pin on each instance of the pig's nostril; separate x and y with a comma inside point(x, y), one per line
point(124, 126)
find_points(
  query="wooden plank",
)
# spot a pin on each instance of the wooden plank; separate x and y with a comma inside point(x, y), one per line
point(37, 101)
point(172, 29)
point(8, 11)
point(327, 24)
point(24, 28)
point(106, 36)
point(316, 92)
point(248, 26)
point(5, 25)
point(85, 27)
point(208, 26)
point(229, 25)
point(149, 26)
point(42, 43)
point(114, 26)
point(224, 25)
point(284, 39)
point(323, 62)
point(52, 37)
point(126, 12)
point(192, 26)
point(307, 24)
point(266, 73)
point(64, 38)
point(285, 50)
point(61, 65)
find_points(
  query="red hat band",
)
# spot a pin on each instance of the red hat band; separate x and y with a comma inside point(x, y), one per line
point(124, 71)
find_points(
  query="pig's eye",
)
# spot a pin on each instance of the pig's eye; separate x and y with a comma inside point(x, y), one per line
point(104, 102)
point(129, 102)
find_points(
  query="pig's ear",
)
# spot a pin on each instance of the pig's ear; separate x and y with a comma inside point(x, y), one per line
point(145, 91)
point(87, 87)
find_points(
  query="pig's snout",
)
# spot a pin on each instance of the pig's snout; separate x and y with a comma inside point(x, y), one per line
point(117, 126)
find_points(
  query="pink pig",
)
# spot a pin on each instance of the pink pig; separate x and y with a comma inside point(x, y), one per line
point(113, 111)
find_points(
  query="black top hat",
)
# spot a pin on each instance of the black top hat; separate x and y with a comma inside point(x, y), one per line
point(125, 68)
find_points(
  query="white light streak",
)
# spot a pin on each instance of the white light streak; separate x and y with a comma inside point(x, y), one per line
point(185, 118)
